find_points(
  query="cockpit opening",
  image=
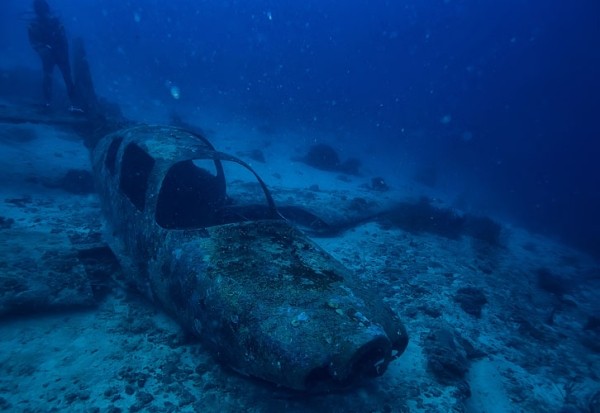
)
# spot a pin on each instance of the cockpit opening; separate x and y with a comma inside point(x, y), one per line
point(135, 171)
point(191, 196)
point(201, 193)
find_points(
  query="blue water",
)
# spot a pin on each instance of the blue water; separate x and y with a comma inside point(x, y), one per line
point(500, 99)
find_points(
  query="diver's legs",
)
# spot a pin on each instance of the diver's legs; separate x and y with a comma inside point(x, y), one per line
point(62, 61)
point(48, 67)
point(65, 69)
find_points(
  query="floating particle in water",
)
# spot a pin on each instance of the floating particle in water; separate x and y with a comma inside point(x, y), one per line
point(175, 92)
point(173, 89)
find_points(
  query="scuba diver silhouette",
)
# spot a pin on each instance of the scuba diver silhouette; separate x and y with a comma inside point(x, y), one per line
point(48, 38)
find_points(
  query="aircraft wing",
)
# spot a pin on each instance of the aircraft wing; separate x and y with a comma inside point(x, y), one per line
point(51, 253)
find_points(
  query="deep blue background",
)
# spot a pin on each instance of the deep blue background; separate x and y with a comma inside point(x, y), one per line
point(500, 97)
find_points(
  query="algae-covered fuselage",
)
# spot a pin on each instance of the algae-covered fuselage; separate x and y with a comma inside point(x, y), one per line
point(263, 297)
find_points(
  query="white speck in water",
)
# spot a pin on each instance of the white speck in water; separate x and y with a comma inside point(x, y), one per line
point(446, 119)
point(175, 92)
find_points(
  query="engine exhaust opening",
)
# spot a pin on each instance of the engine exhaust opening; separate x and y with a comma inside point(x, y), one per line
point(368, 361)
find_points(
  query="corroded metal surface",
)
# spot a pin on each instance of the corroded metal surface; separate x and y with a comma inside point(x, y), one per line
point(263, 297)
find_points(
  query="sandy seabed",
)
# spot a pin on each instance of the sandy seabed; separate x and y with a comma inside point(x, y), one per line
point(520, 348)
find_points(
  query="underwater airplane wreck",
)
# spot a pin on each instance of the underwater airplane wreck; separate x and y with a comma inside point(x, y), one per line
point(266, 300)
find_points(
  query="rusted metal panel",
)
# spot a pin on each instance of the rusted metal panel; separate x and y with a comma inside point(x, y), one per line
point(262, 296)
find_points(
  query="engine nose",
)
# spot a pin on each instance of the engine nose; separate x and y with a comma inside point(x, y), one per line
point(367, 360)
